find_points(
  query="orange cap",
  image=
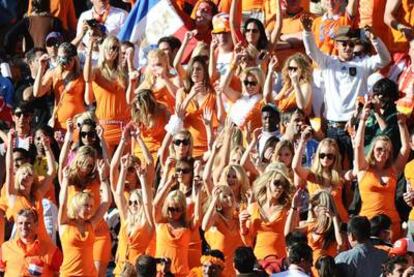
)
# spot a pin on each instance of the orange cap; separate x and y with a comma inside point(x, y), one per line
point(401, 247)
point(221, 23)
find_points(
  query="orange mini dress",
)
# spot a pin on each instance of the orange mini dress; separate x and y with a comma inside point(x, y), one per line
point(194, 249)
point(288, 103)
point(379, 198)
point(77, 252)
point(131, 245)
point(269, 235)
point(174, 245)
point(163, 96)
point(102, 238)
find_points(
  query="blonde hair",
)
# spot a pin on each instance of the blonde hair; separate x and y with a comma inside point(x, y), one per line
point(199, 48)
point(116, 74)
point(256, 72)
point(149, 78)
point(280, 145)
point(82, 154)
point(304, 67)
point(147, 107)
point(317, 169)
point(176, 197)
point(139, 217)
point(188, 136)
point(261, 185)
point(80, 199)
point(242, 180)
point(18, 177)
point(370, 156)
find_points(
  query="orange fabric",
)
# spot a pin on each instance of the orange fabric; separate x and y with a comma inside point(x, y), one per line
point(194, 250)
point(336, 193)
point(69, 102)
point(102, 245)
point(254, 118)
point(164, 97)
point(111, 109)
point(288, 103)
point(248, 5)
point(405, 15)
point(78, 252)
point(409, 176)
point(174, 245)
point(270, 239)
point(3, 199)
point(324, 32)
point(194, 122)
point(64, 10)
point(131, 246)
point(196, 272)
point(40, 169)
point(379, 199)
point(317, 244)
point(154, 136)
point(17, 256)
point(226, 239)
point(406, 80)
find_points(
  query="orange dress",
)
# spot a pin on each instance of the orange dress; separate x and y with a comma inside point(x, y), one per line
point(163, 96)
point(194, 123)
point(112, 109)
point(77, 252)
point(131, 246)
point(194, 250)
point(225, 238)
point(65, 11)
point(69, 101)
point(409, 176)
point(336, 193)
point(288, 103)
point(379, 198)
point(405, 15)
point(270, 239)
point(174, 245)
point(102, 244)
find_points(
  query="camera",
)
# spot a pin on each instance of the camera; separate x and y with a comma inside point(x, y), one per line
point(92, 23)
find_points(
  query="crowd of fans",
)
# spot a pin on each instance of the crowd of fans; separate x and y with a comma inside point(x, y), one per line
point(282, 146)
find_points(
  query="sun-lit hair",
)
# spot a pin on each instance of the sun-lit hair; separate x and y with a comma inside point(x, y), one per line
point(144, 107)
point(149, 77)
point(242, 180)
point(23, 170)
point(186, 135)
point(80, 161)
point(317, 169)
point(236, 151)
point(262, 183)
point(29, 213)
point(79, 200)
point(117, 73)
point(138, 218)
point(177, 198)
point(370, 156)
point(305, 69)
point(256, 72)
point(283, 144)
point(200, 49)
point(188, 82)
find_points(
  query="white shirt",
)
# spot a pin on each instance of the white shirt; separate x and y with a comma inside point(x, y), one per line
point(293, 271)
point(113, 23)
point(345, 81)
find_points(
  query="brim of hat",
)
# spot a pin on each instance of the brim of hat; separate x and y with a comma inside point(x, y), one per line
point(220, 30)
point(345, 38)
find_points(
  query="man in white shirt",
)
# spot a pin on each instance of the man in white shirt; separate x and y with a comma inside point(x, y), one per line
point(345, 77)
point(103, 13)
point(300, 261)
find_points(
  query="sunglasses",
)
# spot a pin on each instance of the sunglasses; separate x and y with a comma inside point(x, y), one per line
point(254, 31)
point(19, 114)
point(358, 53)
point(349, 43)
point(174, 210)
point(64, 60)
point(52, 42)
point(329, 156)
point(277, 184)
point(249, 83)
point(185, 142)
point(87, 134)
point(292, 68)
point(380, 149)
point(183, 170)
point(135, 202)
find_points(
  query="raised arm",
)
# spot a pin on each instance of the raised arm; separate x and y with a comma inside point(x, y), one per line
point(360, 163)
point(404, 152)
point(274, 35)
point(177, 60)
point(234, 20)
point(147, 195)
point(268, 85)
point(82, 32)
point(383, 56)
point(113, 170)
point(105, 193)
point(390, 18)
point(63, 199)
point(224, 154)
point(299, 170)
point(51, 169)
point(132, 86)
point(212, 69)
point(245, 160)
point(308, 40)
point(160, 199)
point(149, 161)
point(292, 220)
point(225, 82)
point(208, 124)
point(197, 187)
point(43, 80)
point(119, 196)
point(67, 142)
point(303, 92)
point(211, 214)
point(10, 190)
point(207, 172)
point(88, 73)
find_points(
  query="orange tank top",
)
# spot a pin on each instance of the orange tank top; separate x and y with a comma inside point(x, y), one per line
point(77, 252)
point(288, 102)
point(163, 96)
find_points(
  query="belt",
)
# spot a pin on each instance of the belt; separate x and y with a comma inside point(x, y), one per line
point(336, 124)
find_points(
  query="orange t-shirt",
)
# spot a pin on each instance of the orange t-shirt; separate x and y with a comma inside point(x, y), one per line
point(409, 176)
point(69, 101)
point(270, 239)
point(131, 246)
point(65, 11)
point(78, 252)
point(174, 245)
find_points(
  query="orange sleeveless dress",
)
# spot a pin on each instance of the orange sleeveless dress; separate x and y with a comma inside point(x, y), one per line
point(163, 96)
point(194, 249)
point(69, 102)
point(288, 103)
point(379, 198)
point(77, 252)
point(194, 123)
point(131, 246)
point(269, 236)
point(174, 246)
point(225, 239)
point(102, 244)
point(112, 109)
point(254, 117)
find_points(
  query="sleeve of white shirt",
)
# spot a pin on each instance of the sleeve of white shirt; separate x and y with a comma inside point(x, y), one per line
point(313, 51)
point(79, 27)
point(381, 59)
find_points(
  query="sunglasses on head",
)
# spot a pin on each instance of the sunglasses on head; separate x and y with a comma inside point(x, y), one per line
point(182, 141)
point(87, 134)
point(19, 114)
point(254, 31)
point(329, 156)
point(292, 68)
point(249, 83)
point(174, 209)
point(183, 170)
point(349, 43)
point(133, 202)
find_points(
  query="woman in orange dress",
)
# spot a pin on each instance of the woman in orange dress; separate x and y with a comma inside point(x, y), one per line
point(106, 86)
point(325, 173)
point(23, 189)
point(137, 224)
point(262, 224)
point(173, 227)
point(198, 98)
point(322, 226)
point(158, 79)
point(377, 172)
point(180, 146)
point(79, 217)
point(83, 178)
point(221, 225)
point(66, 83)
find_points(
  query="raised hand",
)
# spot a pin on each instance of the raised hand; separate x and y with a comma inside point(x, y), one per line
point(273, 63)
point(99, 131)
point(307, 133)
point(43, 61)
point(207, 116)
point(307, 22)
point(102, 170)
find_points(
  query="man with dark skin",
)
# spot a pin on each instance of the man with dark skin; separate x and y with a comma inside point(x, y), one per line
point(270, 123)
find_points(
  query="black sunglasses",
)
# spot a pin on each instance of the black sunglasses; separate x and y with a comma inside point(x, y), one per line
point(173, 210)
point(329, 156)
point(135, 202)
point(182, 141)
point(89, 134)
point(358, 53)
point(344, 43)
point(19, 114)
point(292, 68)
point(249, 83)
point(183, 170)
point(52, 42)
point(254, 31)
